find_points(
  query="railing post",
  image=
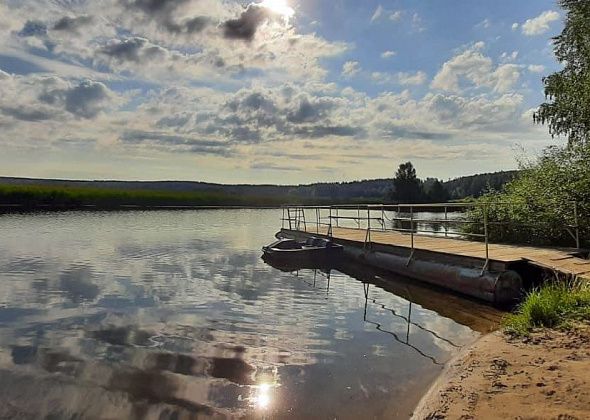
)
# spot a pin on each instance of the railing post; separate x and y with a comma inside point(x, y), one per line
point(283, 218)
point(446, 223)
point(303, 216)
point(577, 226)
point(289, 216)
point(412, 225)
point(383, 217)
point(317, 220)
point(368, 235)
point(358, 215)
point(330, 224)
point(411, 235)
point(487, 239)
point(337, 217)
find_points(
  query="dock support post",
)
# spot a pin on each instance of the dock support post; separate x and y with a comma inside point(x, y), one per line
point(382, 218)
point(289, 216)
point(283, 218)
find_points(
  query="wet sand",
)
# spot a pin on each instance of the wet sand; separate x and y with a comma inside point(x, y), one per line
point(546, 376)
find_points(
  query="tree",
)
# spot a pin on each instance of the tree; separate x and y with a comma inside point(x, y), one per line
point(567, 92)
point(407, 188)
point(436, 193)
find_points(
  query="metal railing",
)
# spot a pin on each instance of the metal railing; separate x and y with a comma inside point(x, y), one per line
point(408, 219)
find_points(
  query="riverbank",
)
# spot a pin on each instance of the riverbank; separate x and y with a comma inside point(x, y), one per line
point(544, 376)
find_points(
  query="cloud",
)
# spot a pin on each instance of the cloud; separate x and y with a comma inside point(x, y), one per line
point(401, 78)
point(134, 49)
point(417, 78)
point(476, 69)
point(540, 24)
point(515, 26)
point(175, 143)
point(380, 12)
point(536, 68)
point(72, 24)
point(388, 54)
point(395, 16)
point(40, 98)
point(377, 13)
point(247, 24)
point(484, 24)
point(33, 28)
point(351, 68)
point(164, 13)
point(418, 23)
point(509, 56)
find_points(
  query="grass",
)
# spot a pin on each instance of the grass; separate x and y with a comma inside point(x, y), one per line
point(31, 196)
point(554, 305)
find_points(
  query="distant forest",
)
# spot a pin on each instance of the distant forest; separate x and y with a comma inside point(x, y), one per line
point(31, 192)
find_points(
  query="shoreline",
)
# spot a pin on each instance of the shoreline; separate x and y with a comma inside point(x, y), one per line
point(542, 376)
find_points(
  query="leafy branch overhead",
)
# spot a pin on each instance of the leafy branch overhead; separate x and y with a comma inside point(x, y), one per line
point(567, 107)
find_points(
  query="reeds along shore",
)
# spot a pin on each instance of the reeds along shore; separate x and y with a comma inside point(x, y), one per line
point(30, 197)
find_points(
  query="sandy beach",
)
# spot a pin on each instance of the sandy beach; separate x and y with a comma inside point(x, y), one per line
point(544, 376)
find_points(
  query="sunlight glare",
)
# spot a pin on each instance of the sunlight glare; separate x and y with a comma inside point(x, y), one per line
point(280, 7)
point(262, 399)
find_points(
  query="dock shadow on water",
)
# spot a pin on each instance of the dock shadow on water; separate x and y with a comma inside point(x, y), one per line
point(174, 315)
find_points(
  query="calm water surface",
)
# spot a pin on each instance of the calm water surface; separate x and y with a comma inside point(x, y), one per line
point(173, 314)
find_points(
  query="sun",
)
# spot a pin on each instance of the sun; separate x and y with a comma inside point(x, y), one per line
point(280, 7)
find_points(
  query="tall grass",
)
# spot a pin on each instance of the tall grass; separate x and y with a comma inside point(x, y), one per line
point(553, 305)
point(30, 196)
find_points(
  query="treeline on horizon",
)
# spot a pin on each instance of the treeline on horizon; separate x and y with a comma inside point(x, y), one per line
point(62, 194)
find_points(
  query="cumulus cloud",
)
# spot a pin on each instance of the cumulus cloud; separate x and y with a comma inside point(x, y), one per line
point(388, 54)
point(417, 78)
point(540, 24)
point(351, 68)
point(39, 98)
point(477, 70)
point(165, 13)
point(134, 49)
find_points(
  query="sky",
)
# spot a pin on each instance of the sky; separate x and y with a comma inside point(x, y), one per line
point(271, 91)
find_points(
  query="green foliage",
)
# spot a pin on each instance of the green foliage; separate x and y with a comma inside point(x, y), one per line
point(553, 305)
point(538, 205)
point(32, 196)
point(477, 185)
point(407, 188)
point(567, 110)
point(435, 192)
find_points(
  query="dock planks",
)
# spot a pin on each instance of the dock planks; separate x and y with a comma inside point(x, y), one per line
point(558, 260)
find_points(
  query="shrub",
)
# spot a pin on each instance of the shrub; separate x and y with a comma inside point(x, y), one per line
point(553, 305)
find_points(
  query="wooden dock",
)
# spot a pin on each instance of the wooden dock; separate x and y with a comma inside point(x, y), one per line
point(559, 260)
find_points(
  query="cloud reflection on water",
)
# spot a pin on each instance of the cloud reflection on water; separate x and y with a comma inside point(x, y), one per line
point(187, 319)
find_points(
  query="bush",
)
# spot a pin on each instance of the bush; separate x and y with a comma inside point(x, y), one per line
point(537, 205)
point(553, 305)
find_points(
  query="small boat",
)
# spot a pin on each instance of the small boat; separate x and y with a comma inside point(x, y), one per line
point(312, 248)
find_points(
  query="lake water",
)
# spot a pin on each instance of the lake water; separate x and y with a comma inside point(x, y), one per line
point(168, 314)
